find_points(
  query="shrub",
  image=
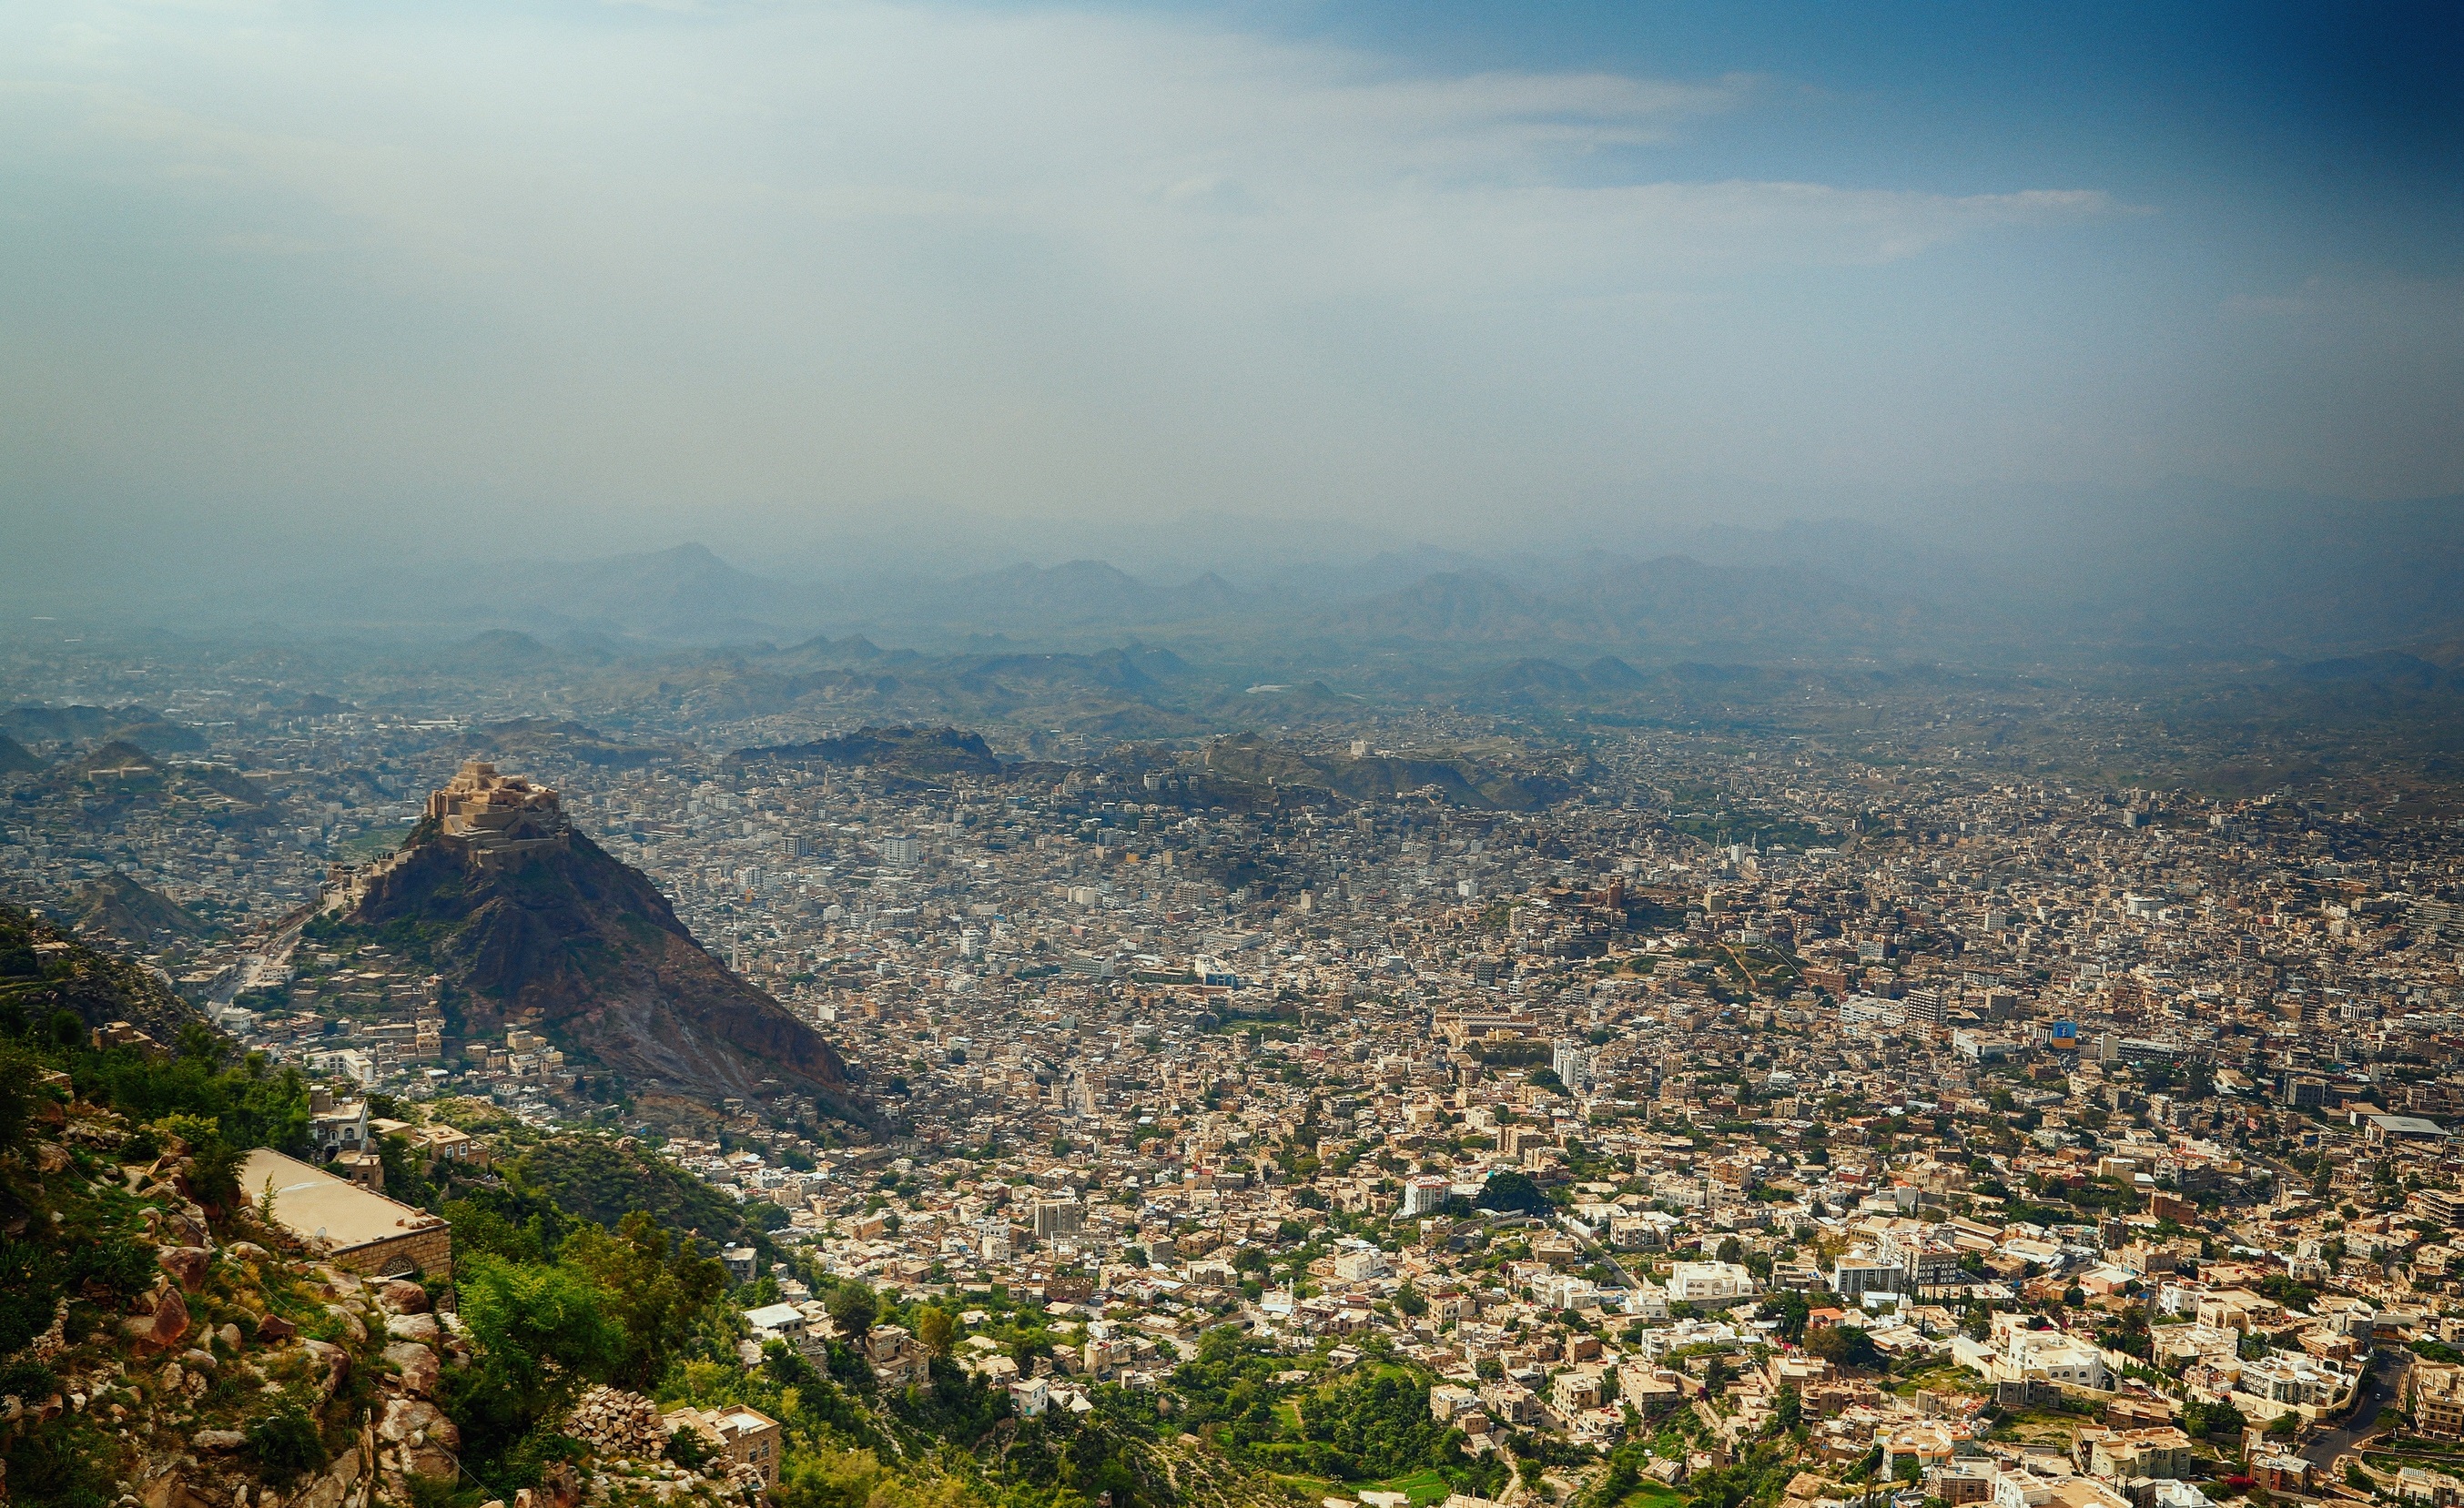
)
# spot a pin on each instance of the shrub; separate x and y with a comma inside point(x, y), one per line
point(286, 1446)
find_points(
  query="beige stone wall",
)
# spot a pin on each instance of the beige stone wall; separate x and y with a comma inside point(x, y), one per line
point(431, 1251)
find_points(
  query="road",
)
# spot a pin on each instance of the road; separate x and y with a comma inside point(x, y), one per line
point(254, 969)
point(2384, 1384)
point(1575, 1230)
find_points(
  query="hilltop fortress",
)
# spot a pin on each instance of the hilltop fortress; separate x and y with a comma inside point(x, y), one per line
point(490, 818)
point(498, 816)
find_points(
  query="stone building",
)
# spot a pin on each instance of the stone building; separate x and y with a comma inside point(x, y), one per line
point(497, 814)
point(744, 1434)
point(896, 1356)
point(353, 1228)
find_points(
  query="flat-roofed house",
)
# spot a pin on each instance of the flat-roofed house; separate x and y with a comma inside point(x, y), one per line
point(747, 1436)
point(353, 1228)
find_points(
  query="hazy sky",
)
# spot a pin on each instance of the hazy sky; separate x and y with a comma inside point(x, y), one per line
point(546, 278)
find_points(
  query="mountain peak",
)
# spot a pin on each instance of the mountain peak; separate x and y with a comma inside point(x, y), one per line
point(533, 924)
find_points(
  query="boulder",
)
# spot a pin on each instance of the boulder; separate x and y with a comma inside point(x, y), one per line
point(218, 1439)
point(421, 1328)
point(414, 1420)
point(229, 1335)
point(400, 1296)
point(170, 1324)
point(333, 1359)
point(425, 1440)
point(431, 1460)
point(187, 1264)
point(559, 1486)
point(272, 1328)
point(420, 1371)
point(325, 1492)
point(352, 1324)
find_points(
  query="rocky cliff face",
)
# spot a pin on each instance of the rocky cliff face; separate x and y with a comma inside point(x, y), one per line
point(149, 1355)
point(586, 949)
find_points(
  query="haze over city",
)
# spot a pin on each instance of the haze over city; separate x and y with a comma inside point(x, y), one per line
point(773, 277)
point(1265, 755)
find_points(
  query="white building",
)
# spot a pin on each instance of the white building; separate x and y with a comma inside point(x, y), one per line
point(2049, 1356)
point(1424, 1196)
point(1853, 1276)
point(781, 1322)
point(1576, 1067)
point(1710, 1282)
point(1361, 1263)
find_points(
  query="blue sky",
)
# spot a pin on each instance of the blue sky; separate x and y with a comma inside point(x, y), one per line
point(761, 272)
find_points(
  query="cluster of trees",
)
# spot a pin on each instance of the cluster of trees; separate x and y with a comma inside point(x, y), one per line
point(2218, 1421)
point(600, 1180)
point(554, 1307)
point(1366, 1426)
point(1375, 1426)
point(1758, 1475)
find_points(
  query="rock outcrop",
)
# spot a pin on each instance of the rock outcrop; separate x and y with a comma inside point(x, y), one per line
point(565, 937)
point(225, 1381)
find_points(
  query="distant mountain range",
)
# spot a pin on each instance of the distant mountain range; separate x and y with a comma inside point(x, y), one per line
point(2180, 572)
point(2239, 576)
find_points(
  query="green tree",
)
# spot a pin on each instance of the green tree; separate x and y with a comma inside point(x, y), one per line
point(935, 1330)
point(2218, 1421)
point(542, 1333)
point(1791, 1309)
point(1844, 1345)
point(1789, 1410)
point(652, 1290)
point(853, 1307)
point(21, 1089)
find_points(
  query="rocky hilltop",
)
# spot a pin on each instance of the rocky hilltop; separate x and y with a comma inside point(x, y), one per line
point(119, 906)
point(531, 923)
point(903, 751)
point(45, 969)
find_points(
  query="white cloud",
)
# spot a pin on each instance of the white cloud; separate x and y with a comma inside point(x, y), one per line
point(1101, 135)
point(1046, 257)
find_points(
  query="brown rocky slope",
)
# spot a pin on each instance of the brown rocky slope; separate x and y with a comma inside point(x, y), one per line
point(583, 948)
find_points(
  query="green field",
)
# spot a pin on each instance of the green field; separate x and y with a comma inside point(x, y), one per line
point(1423, 1487)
